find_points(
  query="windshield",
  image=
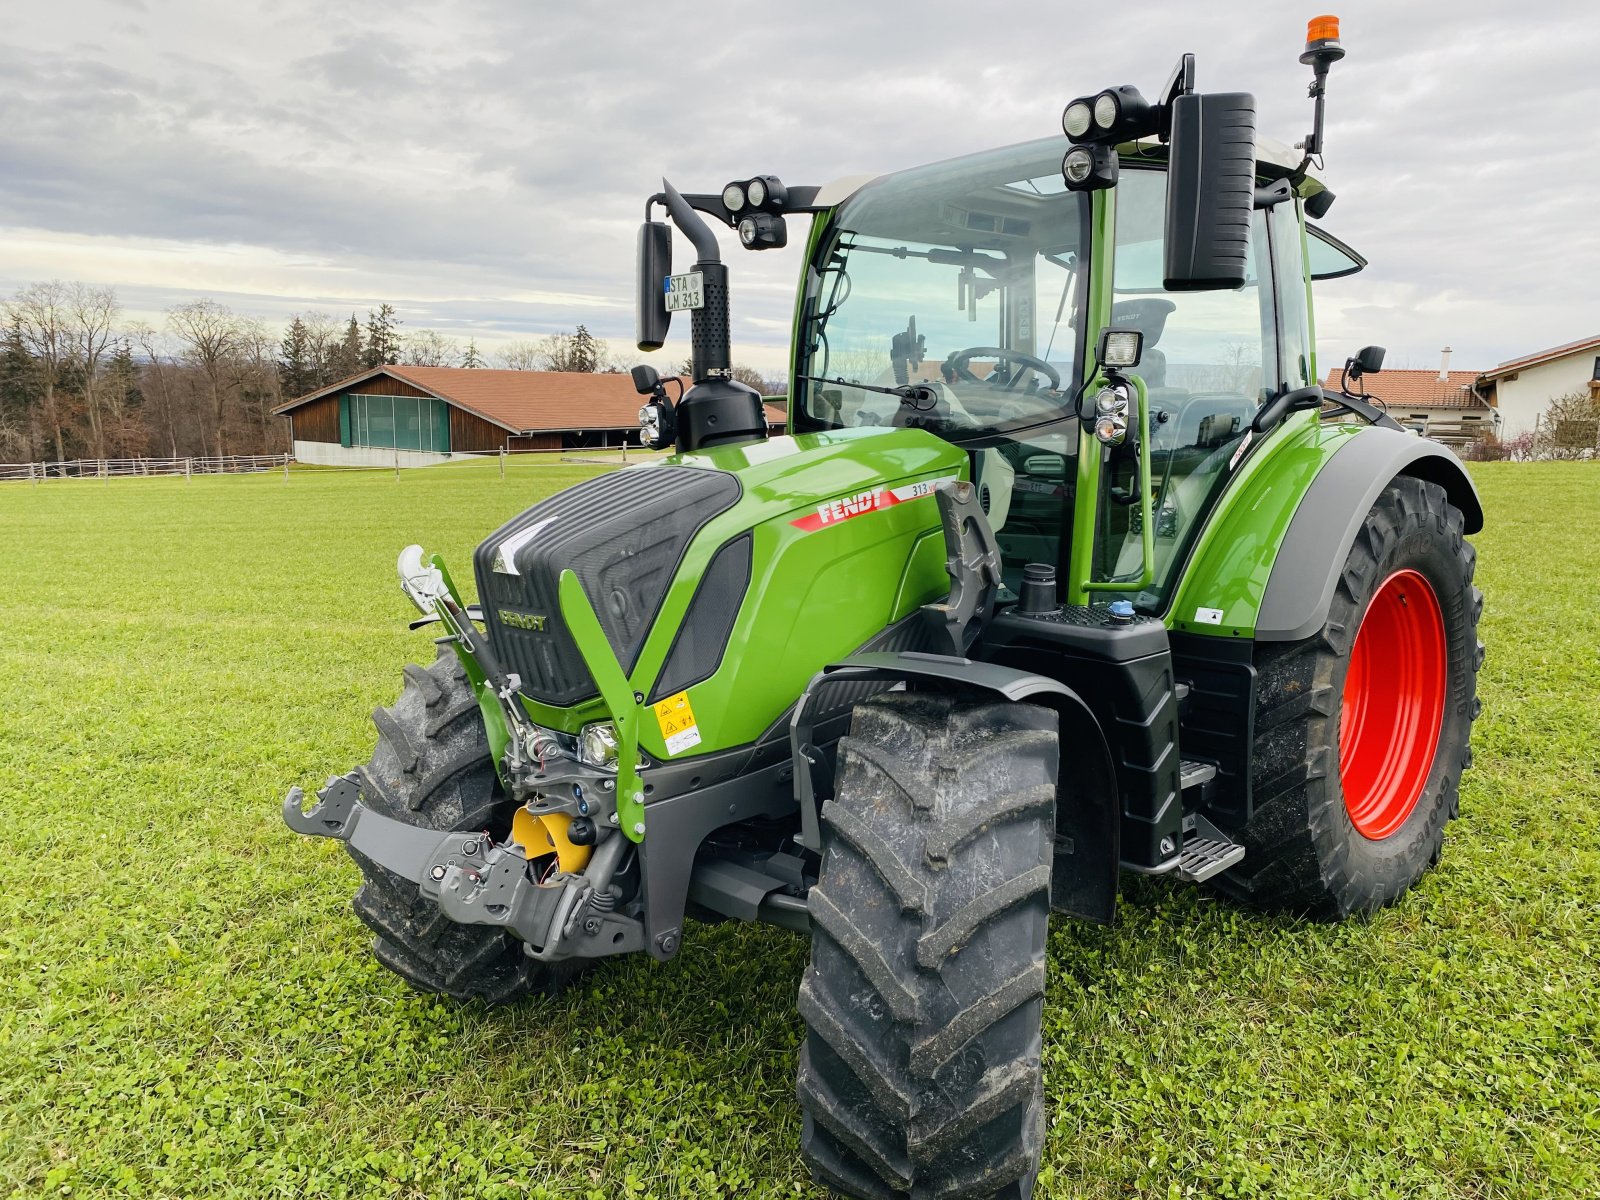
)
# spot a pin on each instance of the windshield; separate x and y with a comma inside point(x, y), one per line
point(966, 277)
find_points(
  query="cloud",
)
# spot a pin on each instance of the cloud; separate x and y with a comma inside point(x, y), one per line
point(488, 161)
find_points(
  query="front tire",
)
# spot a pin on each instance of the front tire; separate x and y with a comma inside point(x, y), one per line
point(432, 769)
point(1363, 730)
point(921, 1071)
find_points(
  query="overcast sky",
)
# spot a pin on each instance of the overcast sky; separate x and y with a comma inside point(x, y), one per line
point(482, 164)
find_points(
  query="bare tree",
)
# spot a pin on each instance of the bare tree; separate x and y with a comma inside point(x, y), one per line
point(430, 348)
point(623, 360)
point(209, 333)
point(1569, 427)
point(150, 343)
point(92, 312)
point(520, 356)
point(40, 314)
point(255, 372)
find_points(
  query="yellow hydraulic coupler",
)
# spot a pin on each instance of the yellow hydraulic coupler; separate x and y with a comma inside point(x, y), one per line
point(540, 834)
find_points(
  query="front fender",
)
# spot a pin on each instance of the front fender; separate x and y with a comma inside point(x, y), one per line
point(1306, 571)
point(1266, 562)
point(1087, 846)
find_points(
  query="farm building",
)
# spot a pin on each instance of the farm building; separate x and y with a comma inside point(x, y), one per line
point(1446, 405)
point(1522, 388)
point(416, 416)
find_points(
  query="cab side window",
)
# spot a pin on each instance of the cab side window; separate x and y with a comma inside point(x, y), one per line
point(1210, 361)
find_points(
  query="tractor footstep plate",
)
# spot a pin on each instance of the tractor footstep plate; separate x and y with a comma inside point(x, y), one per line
point(1204, 857)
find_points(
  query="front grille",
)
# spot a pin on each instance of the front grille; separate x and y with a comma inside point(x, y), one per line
point(624, 535)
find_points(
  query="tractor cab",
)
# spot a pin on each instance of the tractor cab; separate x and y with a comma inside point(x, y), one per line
point(984, 284)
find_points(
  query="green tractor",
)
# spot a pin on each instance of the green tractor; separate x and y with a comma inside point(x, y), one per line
point(1067, 567)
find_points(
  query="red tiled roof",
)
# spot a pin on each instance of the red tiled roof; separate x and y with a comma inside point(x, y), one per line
point(1418, 389)
point(1530, 360)
point(523, 401)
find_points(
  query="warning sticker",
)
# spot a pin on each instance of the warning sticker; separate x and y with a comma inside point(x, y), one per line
point(833, 512)
point(677, 723)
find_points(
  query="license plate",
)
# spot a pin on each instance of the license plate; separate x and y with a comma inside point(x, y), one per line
point(686, 291)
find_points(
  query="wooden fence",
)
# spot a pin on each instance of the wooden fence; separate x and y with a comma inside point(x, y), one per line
point(111, 468)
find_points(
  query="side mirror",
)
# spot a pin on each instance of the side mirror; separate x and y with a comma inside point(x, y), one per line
point(652, 319)
point(1368, 361)
point(1211, 184)
point(645, 379)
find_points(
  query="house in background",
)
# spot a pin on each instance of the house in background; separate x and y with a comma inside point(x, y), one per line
point(1444, 404)
point(1522, 388)
point(417, 416)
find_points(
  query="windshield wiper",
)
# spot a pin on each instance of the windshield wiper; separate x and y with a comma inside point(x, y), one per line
point(909, 393)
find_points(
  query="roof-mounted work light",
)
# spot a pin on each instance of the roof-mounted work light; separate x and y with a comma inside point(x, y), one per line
point(755, 209)
point(1119, 114)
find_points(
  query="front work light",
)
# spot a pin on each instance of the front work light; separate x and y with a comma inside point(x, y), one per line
point(1089, 168)
point(733, 197)
point(1120, 349)
point(1105, 110)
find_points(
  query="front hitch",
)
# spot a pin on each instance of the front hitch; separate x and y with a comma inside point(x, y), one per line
point(474, 879)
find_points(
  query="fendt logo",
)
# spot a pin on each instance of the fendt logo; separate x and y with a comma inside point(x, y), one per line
point(534, 621)
point(833, 512)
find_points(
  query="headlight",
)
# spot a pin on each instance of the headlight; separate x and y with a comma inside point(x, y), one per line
point(650, 423)
point(1075, 120)
point(756, 191)
point(597, 744)
point(1105, 110)
point(1110, 400)
point(1078, 165)
point(733, 197)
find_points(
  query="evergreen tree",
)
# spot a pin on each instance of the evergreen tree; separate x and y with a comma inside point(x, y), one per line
point(345, 359)
point(296, 371)
point(472, 358)
point(383, 337)
point(125, 431)
point(16, 395)
point(585, 352)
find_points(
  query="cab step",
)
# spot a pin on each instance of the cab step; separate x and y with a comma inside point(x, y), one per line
point(1207, 851)
point(1193, 773)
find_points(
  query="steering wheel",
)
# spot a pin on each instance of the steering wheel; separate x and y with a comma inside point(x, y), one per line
point(958, 361)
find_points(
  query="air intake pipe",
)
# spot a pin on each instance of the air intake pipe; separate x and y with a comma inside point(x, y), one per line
point(717, 409)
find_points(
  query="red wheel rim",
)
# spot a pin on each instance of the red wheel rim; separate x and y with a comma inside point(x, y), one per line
point(1393, 705)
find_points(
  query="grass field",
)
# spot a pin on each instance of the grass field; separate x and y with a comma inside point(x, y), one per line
point(189, 1007)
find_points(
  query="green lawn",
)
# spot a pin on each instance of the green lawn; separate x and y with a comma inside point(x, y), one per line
point(189, 1007)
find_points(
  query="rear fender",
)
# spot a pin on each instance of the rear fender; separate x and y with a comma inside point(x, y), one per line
point(1087, 850)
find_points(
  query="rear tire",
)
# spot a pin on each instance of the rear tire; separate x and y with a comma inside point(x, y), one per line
point(432, 769)
point(1351, 792)
point(921, 1071)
